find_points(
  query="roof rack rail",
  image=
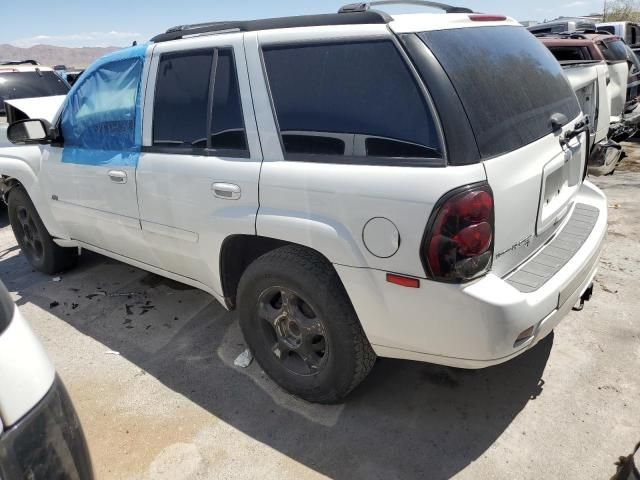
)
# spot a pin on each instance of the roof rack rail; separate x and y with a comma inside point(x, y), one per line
point(212, 28)
point(19, 62)
point(363, 7)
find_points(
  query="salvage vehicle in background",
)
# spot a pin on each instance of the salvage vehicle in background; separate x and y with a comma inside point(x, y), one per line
point(40, 434)
point(561, 25)
point(390, 213)
point(27, 79)
point(581, 56)
point(588, 74)
point(627, 31)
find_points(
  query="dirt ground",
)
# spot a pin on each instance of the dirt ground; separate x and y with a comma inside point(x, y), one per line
point(171, 404)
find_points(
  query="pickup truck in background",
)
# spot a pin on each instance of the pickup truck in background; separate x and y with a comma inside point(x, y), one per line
point(562, 25)
point(628, 31)
point(604, 76)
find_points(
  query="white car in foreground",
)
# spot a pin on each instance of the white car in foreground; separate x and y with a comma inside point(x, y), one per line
point(355, 184)
point(40, 435)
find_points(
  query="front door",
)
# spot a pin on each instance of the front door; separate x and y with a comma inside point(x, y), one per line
point(90, 175)
point(199, 169)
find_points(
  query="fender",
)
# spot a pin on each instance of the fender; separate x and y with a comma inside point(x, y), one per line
point(22, 164)
point(325, 235)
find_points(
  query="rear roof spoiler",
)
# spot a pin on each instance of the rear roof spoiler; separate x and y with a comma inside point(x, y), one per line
point(363, 7)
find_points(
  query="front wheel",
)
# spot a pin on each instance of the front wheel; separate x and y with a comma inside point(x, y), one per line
point(296, 317)
point(34, 239)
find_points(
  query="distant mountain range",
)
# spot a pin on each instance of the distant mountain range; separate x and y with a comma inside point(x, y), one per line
point(51, 55)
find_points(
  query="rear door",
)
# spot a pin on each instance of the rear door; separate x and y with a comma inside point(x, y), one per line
point(198, 173)
point(511, 86)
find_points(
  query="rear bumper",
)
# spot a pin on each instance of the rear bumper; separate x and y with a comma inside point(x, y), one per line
point(474, 325)
point(47, 442)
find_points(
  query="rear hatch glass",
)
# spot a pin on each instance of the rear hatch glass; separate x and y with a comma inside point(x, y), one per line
point(30, 85)
point(508, 82)
point(510, 85)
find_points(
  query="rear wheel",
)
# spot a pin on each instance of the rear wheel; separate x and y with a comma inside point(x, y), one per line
point(34, 239)
point(298, 321)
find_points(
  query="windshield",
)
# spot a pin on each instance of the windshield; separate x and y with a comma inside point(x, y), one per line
point(509, 83)
point(29, 85)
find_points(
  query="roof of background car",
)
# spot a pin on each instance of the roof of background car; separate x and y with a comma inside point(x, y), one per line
point(565, 42)
point(599, 36)
point(24, 68)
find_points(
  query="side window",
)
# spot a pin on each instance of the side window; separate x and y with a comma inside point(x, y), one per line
point(227, 123)
point(633, 37)
point(197, 106)
point(356, 102)
point(101, 113)
point(613, 50)
point(181, 99)
point(564, 54)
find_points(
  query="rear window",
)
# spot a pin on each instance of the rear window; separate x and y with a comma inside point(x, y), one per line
point(633, 35)
point(509, 83)
point(15, 85)
point(569, 54)
point(608, 28)
point(353, 102)
point(613, 51)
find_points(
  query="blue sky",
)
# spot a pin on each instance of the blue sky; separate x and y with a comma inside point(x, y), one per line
point(118, 22)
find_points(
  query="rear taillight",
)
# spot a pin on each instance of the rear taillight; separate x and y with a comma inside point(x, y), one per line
point(459, 239)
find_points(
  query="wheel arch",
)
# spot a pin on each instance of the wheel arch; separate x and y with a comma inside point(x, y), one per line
point(15, 172)
point(239, 251)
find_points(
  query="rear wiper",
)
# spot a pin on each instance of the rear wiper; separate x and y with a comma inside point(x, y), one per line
point(558, 120)
point(577, 129)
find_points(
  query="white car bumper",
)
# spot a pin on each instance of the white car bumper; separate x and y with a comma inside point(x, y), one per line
point(476, 325)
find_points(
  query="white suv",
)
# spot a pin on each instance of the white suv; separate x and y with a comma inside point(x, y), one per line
point(355, 184)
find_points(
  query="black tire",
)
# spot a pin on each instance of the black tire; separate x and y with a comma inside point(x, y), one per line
point(34, 239)
point(327, 354)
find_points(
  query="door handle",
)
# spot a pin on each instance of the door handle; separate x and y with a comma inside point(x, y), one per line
point(228, 191)
point(118, 176)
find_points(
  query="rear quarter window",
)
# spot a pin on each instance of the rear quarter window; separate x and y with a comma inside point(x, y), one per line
point(509, 84)
point(354, 102)
point(613, 51)
point(569, 54)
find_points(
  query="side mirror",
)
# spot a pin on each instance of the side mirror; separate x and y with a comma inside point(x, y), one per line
point(30, 131)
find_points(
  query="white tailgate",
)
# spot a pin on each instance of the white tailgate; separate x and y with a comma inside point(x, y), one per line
point(533, 189)
point(617, 88)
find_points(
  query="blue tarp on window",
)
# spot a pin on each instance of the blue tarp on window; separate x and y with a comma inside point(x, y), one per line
point(101, 122)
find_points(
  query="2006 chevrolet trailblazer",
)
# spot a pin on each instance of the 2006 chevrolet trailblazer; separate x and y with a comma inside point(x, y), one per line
point(355, 184)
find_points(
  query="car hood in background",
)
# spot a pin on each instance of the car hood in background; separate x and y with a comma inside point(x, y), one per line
point(41, 107)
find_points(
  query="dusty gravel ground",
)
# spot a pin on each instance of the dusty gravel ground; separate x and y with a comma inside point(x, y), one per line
point(171, 405)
